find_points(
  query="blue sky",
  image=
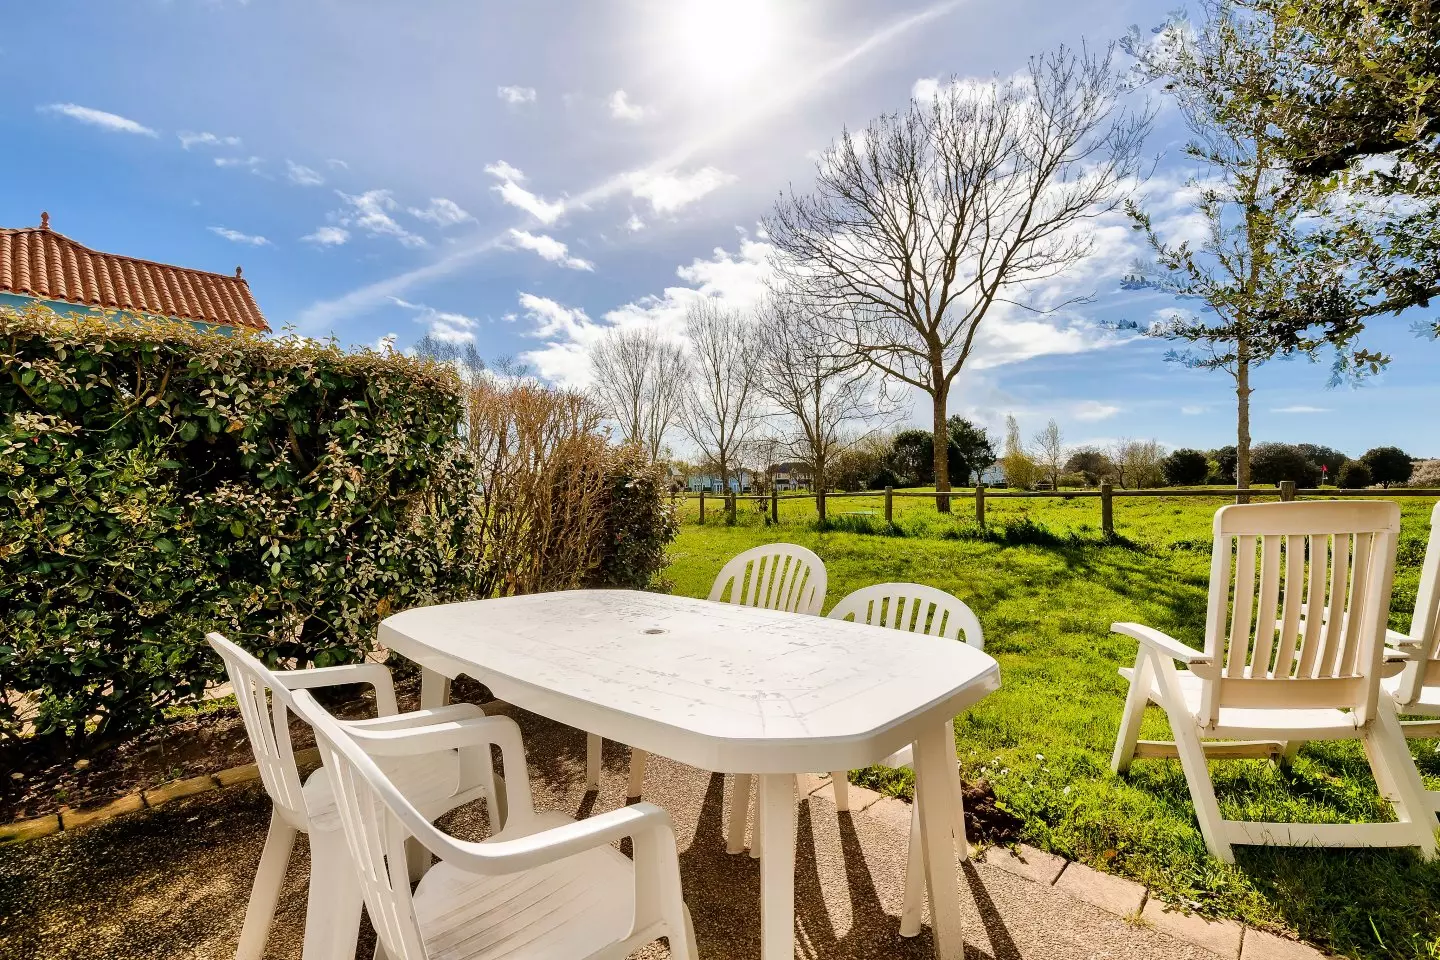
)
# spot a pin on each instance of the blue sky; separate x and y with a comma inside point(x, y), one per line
point(528, 174)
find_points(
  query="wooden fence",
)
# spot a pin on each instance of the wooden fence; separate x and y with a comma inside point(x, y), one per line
point(1106, 494)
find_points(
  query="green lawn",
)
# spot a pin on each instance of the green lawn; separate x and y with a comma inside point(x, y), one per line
point(1046, 589)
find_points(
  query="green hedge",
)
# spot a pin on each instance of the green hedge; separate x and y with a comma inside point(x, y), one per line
point(157, 482)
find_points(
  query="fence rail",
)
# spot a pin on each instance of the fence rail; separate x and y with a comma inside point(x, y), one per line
point(1106, 494)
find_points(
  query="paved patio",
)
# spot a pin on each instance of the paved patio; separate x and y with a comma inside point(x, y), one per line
point(173, 883)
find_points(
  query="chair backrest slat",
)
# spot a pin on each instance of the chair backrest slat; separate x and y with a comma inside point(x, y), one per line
point(1327, 656)
point(264, 709)
point(1425, 623)
point(1295, 553)
point(776, 576)
point(913, 608)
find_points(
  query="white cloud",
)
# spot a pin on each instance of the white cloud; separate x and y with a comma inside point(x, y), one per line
point(516, 96)
point(369, 212)
point(302, 175)
point(926, 89)
point(207, 139)
point(1091, 410)
point(1299, 408)
point(511, 192)
point(669, 191)
point(335, 164)
point(553, 319)
point(442, 213)
point(98, 118)
point(549, 249)
point(249, 163)
point(622, 109)
point(235, 236)
point(327, 236)
point(634, 223)
point(1192, 410)
point(442, 325)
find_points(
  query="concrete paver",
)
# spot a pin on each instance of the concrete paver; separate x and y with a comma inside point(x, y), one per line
point(74, 819)
point(1108, 892)
point(1220, 937)
point(1026, 862)
point(1266, 946)
point(179, 788)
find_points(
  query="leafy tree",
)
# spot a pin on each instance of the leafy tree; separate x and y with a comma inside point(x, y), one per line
point(1224, 458)
point(1355, 97)
point(971, 451)
point(1185, 468)
point(912, 458)
point(1327, 457)
point(1388, 465)
point(1354, 475)
point(1427, 474)
point(1090, 463)
point(1274, 462)
point(1246, 265)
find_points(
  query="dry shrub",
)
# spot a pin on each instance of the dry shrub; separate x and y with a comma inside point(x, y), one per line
point(541, 461)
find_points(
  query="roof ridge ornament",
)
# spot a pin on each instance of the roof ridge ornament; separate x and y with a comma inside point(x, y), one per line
point(44, 220)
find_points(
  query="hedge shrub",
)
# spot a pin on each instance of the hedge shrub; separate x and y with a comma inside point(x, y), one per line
point(157, 482)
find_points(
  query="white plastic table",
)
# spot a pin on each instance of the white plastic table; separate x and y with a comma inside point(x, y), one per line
point(727, 688)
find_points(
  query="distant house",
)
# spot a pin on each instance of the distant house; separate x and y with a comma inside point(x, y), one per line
point(790, 476)
point(741, 481)
point(40, 266)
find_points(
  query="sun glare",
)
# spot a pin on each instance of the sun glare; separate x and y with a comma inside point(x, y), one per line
point(722, 43)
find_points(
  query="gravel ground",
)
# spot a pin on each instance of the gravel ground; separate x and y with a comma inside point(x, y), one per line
point(173, 883)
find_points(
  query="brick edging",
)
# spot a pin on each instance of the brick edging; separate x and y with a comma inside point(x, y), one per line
point(68, 819)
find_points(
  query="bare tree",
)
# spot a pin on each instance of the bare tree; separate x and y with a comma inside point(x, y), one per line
point(1050, 451)
point(1137, 463)
point(916, 229)
point(1021, 470)
point(640, 383)
point(828, 400)
point(719, 410)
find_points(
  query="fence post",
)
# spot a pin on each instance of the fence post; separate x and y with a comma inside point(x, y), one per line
point(889, 505)
point(820, 502)
point(774, 505)
point(1287, 491)
point(1107, 510)
point(730, 507)
point(980, 504)
point(702, 505)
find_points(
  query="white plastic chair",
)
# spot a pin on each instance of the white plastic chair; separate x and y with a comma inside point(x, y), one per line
point(915, 608)
point(438, 781)
point(1272, 673)
point(1416, 690)
point(544, 887)
point(775, 576)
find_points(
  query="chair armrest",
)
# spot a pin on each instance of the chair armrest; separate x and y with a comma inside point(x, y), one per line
point(1161, 643)
point(375, 674)
point(500, 855)
point(1394, 638)
point(419, 718)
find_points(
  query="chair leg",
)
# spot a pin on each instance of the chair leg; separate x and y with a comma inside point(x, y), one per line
point(739, 813)
point(593, 745)
point(1192, 761)
point(840, 781)
point(1397, 776)
point(636, 789)
point(332, 915)
point(914, 878)
point(1288, 753)
point(1135, 701)
point(265, 892)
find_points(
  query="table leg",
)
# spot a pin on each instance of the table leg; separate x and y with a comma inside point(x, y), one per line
point(739, 814)
point(777, 867)
point(937, 789)
point(434, 689)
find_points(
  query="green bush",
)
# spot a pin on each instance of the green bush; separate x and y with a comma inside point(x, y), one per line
point(1354, 475)
point(157, 482)
point(640, 523)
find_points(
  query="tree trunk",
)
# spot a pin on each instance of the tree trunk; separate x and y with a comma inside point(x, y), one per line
point(942, 451)
point(1242, 420)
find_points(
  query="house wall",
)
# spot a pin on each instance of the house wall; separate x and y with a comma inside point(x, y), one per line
point(19, 301)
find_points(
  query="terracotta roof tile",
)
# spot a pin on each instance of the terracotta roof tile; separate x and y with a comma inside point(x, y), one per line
point(38, 262)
